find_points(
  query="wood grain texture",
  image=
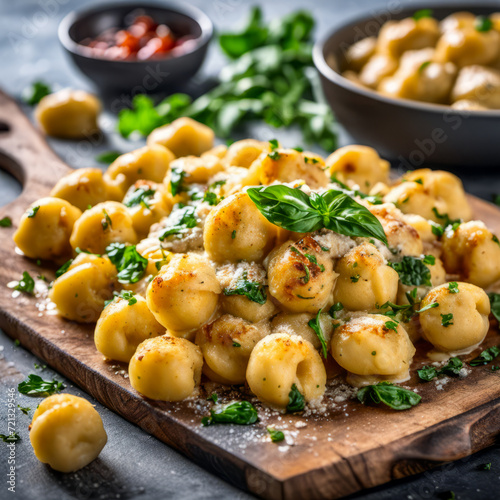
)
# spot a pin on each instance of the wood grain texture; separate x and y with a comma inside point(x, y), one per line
point(342, 450)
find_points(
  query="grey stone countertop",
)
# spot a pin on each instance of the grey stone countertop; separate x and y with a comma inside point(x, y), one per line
point(134, 464)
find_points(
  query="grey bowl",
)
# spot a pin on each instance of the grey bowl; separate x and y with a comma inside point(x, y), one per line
point(137, 76)
point(409, 132)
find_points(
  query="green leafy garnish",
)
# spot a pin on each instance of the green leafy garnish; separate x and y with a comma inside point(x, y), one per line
point(108, 157)
point(141, 196)
point(106, 222)
point(64, 268)
point(421, 69)
point(355, 278)
point(296, 401)
point(338, 306)
point(6, 222)
point(316, 326)
point(453, 287)
point(292, 209)
point(210, 196)
point(486, 356)
point(36, 92)
point(483, 24)
point(413, 271)
point(129, 263)
point(446, 223)
point(373, 199)
point(486, 466)
point(213, 397)
point(33, 211)
point(495, 304)
point(13, 437)
point(420, 14)
point(179, 221)
point(389, 394)
point(177, 176)
point(392, 325)
point(276, 435)
point(26, 284)
point(125, 295)
point(34, 385)
point(25, 409)
point(447, 319)
point(453, 367)
point(252, 290)
point(239, 412)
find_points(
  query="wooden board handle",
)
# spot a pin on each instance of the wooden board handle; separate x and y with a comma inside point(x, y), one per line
point(25, 154)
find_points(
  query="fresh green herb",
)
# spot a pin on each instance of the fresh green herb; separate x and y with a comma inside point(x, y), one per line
point(310, 160)
point(25, 409)
point(436, 229)
point(495, 304)
point(453, 367)
point(450, 495)
point(307, 276)
point(39, 367)
point(274, 155)
point(106, 222)
point(6, 222)
point(64, 268)
point(495, 239)
point(179, 221)
point(108, 157)
point(129, 263)
point(17, 342)
point(141, 196)
point(276, 436)
point(274, 144)
point(453, 287)
point(213, 397)
point(252, 290)
point(335, 308)
point(210, 196)
point(125, 295)
point(392, 325)
point(13, 437)
point(487, 466)
point(239, 412)
point(421, 69)
point(494, 368)
point(432, 305)
point(233, 234)
point(315, 324)
point(483, 24)
point(373, 199)
point(447, 222)
point(36, 92)
point(296, 211)
point(33, 211)
point(299, 149)
point(34, 385)
point(420, 14)
point(177, 176)
point(496, 199)
point(374, 353)
point(486, 356)
point(314, 260)
point(305, 298)
point(446, 319)
point(236, 344)
point(25, 284)
point(355, 278)
point(391, 395)
point(296, 401)
point(413, 271)
point(78, 250)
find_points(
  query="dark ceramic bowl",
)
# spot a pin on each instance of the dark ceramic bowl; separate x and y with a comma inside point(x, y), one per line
point(137, 76)
point(410, 132)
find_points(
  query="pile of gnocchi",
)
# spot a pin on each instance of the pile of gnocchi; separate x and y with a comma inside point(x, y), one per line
point(262, 265)
point(455, 61)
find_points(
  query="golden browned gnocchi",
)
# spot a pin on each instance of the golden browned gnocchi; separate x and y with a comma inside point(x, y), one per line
point(166, 368)
point(67, 432)
point(459, 322)
point(123, 325)
point(44, 230)
point(69, 114)
point(280, 362)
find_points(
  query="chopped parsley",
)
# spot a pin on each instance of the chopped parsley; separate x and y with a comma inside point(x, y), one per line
point(252, 290)
point(34, 385)
point(486, 356)
point(233, 234)
point(483, 24)
point(276, 435)
point(213, 397)
point(239, 412)
point(413, 271)
point(106, 223)
point(6, 222)
point(36, 92)
point(274, 144)
point(26, 284)
point(422, 13)
point(64, 268)
point(453, 367)
point(108, 157)
point(141, 196)
point(130, 264)
point(392, 325)
point(446, 223)
point(355, 278)
point(177, 176)
point(13, 437)
point(296, 401)
point(236, 344)
point(316, 327)
point(125, 295)
point(33, 211)
point(453, 287)
point(446, 319)
point(274, 155)
point(24, 409)
point(179, 221)
point(495, 305)
point(338, 306)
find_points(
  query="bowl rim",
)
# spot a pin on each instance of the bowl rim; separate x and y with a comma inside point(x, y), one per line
point(194, 13)
point(334, 77)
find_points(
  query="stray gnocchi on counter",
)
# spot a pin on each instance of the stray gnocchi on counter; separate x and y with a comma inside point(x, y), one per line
point(263, 265)
point(455, 61)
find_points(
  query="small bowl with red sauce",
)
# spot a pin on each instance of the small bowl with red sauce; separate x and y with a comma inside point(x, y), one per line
point(136, 47)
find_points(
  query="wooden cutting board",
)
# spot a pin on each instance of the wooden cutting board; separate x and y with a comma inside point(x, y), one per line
point(329, 454)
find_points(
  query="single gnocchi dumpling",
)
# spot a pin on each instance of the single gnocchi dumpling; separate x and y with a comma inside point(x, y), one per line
point(69, 114)
point(360, 165)
point(244, 153)
point(105, 223)
point(81, 291)
point(226, 345)
point(150, 163)
point(364, 280)
point(123, 325)
point(85, 187)
point(460, 321)
point(44, 230)
point(166, 368)
point(473, 252)
point(184, 294)
point(301, 276)
point(281, 362)
point(184, 137)
point(359, 53)
point(373, 347)
point(236, 230)
point(378, 67)
point(479, 85)
point(67, 432)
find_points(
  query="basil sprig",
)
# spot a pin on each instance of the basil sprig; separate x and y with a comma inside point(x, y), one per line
point(389, 394)
point(239, 412)
point(294, 210)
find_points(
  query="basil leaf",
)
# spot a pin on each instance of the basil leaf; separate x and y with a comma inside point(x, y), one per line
point(129, 263)
point(486, 356)
point(140, 196)
point(412, 271)
point(391, 395)
point(179, 221)
point(34, 385)
point(36, 92)
point(316, 327)
point(427, 373)
point(108, 157)
point(6, 222)
point(276, 435)
point(292, 209)
point(240, 413)
point(452, 368)
point(25, 284)
point(177, 176)
point(495, 305)
point(252, 290)
point(296, 401)
point(13, 437)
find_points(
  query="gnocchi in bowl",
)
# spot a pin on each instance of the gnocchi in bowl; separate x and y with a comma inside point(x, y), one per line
point(208, 268)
